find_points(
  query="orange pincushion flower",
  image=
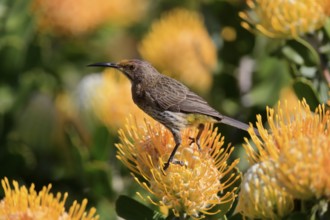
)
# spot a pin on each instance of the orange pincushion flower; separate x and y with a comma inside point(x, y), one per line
point(179, 45)
point(261, 196)
point(21, 203)
point(298, 143)
point(108, 97)
point(76, 17)
point(285, 18)
point(192, 187)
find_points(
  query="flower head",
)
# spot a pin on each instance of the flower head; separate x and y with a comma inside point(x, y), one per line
point(21, 203)
point(298, 142)
point(108, 96)
point(285, 18)
point(194, 184)
point(261, 195)
point(76, 17)
point(179, 45)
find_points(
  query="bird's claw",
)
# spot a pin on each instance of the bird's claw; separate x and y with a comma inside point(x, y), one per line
point(178, 162)
point(192, 140)
point(166, 165)
point(197, 142)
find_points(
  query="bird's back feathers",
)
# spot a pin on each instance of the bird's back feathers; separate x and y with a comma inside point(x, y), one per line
point(172, 95)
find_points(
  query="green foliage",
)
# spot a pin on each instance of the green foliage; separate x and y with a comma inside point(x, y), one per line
point(131, 209)
point(304, 89)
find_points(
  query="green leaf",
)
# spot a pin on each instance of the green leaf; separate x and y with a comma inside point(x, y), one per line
point(304, 89)
point(97, 174)
point(7, 98)
point(308, 72)
point(301, 52)
point(297, 216)
point(321, 210)
point(327, 27)
point(269, 70)
point(131, 209)
point(325, 48)
point(237, 216)
point(102, 145)
point(292, 55)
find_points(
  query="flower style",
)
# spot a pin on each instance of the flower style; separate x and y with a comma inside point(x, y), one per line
point(194, 183)
point(108, 96)
point(285, 18)
point(260, 196)
point(179, 45)
point(76, 17)
point(298, 142)
point(21, 203)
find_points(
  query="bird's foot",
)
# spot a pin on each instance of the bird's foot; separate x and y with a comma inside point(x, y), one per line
point(178, 162)
point(197, 142)
point(166, 165)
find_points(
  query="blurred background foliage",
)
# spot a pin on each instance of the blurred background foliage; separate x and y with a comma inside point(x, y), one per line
point(59, 119)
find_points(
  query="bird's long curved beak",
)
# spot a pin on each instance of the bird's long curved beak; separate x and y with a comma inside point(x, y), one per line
point(111, 65)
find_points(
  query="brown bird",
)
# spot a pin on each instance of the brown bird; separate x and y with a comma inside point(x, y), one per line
point(168, 101)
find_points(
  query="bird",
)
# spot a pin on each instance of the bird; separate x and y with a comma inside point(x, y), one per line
point(168, 101)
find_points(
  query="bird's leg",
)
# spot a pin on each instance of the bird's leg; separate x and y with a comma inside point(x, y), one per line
point(170, 159)
point(177, 140)
point(198, 136)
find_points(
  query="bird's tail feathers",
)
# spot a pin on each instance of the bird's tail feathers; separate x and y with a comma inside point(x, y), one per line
point(237, 124)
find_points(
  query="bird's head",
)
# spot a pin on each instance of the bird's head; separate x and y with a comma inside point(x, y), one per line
point(134, 69)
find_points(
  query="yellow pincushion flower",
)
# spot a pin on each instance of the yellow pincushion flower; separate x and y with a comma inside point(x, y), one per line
point(192, 185)
point(21, 203)
point(298, 142)
point(261, 196)
point(108, 96)
point(179, 45)
point(285, 18)
point(81, 16)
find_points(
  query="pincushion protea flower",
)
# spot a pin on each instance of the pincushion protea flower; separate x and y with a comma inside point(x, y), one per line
point(298, 141)
point(192, 185)
point(179, 45)
point(108, 96)
point(261, 196)
point(21, 203)
point(78, 17)
point(285, 18)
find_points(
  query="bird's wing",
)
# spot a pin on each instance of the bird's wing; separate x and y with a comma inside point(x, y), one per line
point(172, 95)
point(196, 104)
point(168, 93)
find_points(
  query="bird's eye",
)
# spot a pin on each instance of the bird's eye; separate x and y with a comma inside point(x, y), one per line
point(131, 67)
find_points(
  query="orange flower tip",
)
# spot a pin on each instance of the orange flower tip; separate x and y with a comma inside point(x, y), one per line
point(243, 15)
point(250, 3)
point(246, 25)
